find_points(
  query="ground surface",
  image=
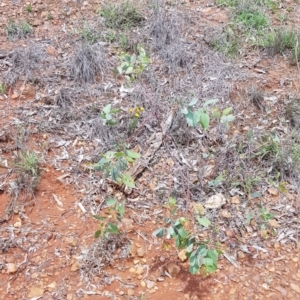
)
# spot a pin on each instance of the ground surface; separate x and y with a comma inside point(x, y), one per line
point(47, 244)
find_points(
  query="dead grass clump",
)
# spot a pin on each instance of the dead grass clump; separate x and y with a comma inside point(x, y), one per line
point(166, 39)
point(87, 62)
point(292, 112)
point(103, 253)
point(24, 61)
point(256, 98)
point(121, 16)
point(64, 99)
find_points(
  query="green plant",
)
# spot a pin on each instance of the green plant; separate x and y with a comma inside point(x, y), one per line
point(28, 162)
point(133, 65)
point(230, 3)
point(269, 147)
point(200, 257)
point(201, 116)
point(107, 113)
point(116, 212)
point(2, 88)
point(29, 8)
point(18, 30)
point(252, 19)
point(49, 17)
point(115, 163)
point(121, 16)
point(89, 34)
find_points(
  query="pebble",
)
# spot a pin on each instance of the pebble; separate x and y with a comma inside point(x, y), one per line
point(11, 268)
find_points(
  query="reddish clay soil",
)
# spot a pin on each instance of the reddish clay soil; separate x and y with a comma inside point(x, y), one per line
point(43, 240)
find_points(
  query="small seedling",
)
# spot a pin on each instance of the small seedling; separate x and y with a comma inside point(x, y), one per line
point(2, 88)
point(133, 65)
point(116, 212)
point(29, 8)
point(28, 163)
point(107, 115)
point(199, 255)
point(115, 163)
point(201, 116)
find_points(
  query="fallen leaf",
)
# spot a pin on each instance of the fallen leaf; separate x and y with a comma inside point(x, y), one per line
point(182, 255)
point(274, 223)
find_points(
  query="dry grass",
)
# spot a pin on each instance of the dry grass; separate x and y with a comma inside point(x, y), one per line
point(24, 62)
point(88, 62)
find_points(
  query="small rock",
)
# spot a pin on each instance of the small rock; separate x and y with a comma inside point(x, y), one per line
point(150, 284)
point(235, 200)
point(132, 270)
point(273, 191)
point(35, 292)
point(126, 224)
point(136, 261)
point(215, 202)
point(225, 214)
point(139, 270)
point(75, 266)
point(241, 255)
point(11, 268)
point(130, 292)
point(173, 269)
point(18, 224)
point(182, 255)
point(152, 291)
point(140, 251)
point(34, 275)
point(143, 283)
point(295, 287)
point(229, 233)
point(69, 296)
point(52, 285)
point(71, 241)
point(265, 286)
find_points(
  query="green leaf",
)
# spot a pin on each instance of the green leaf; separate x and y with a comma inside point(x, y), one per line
point(183, 233)
point(97, 233)
point(172, 201)
point(128, 180)
point(112, 228)
point(208, 261)
point(185, 111)
point(255, 195)
point(129, 70)
point(216, 114)
point(203, 221)
point(108, 117)
point(213, 254)
point(107, 108)
point(99, 218)
point(209, 102)
point(226, 119)
point(194, 269)
point(204, 120)
point(193, 102)
point(115, 110)
point(111, 202)
point(132, 154)
point(159, 232)
point(190, 118)
point(227, 111)
point(171, 231)
point(211, 269)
